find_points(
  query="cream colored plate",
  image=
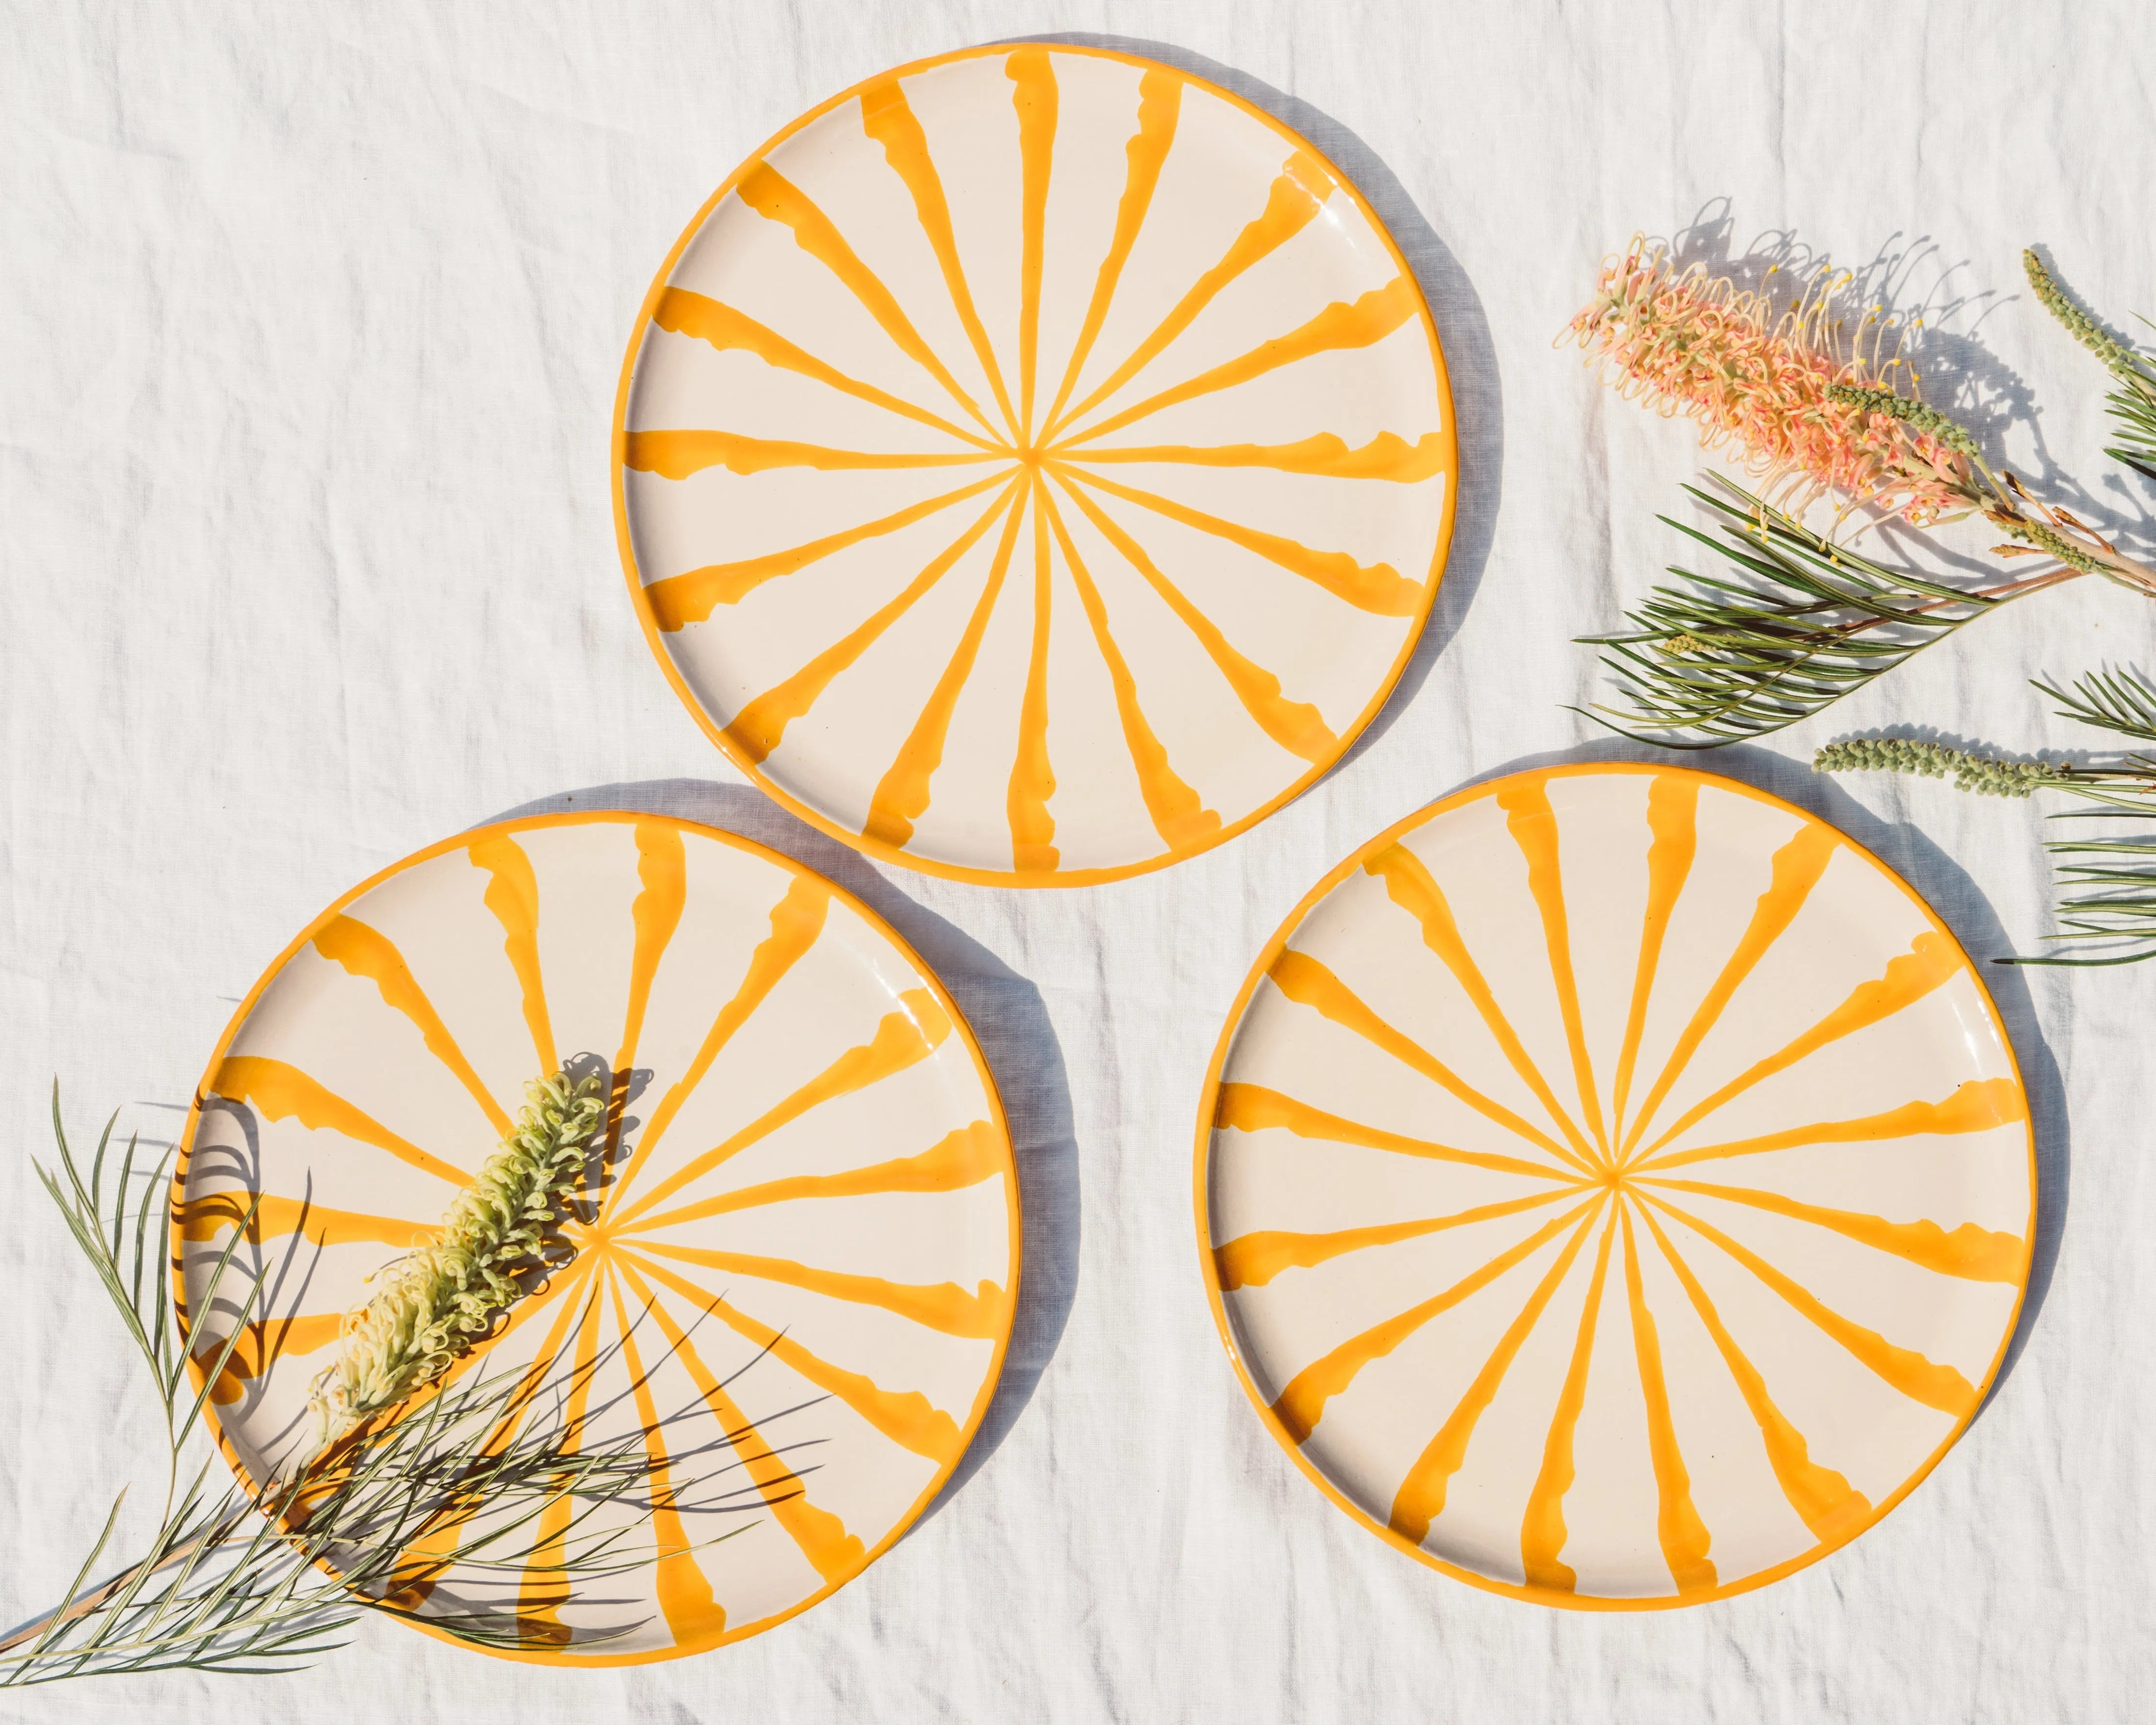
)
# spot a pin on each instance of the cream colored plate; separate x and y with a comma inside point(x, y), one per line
point(1033, 466)
point(1615, 1187)
point(812, 1162)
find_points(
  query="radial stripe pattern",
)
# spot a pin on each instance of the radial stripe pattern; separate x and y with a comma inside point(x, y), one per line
point(1033, 466)
point(795, 1268)
point(1615, 1187)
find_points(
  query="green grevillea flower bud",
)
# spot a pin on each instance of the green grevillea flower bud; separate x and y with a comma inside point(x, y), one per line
point(1985, 774)
point(441, 1299)
point(2084, 329)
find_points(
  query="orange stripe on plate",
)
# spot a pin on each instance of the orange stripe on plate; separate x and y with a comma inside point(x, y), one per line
point(1542, 1531)
point(1420, 1499)
point(907, 1418)
point(677, 601)
point(1302, 1404)
point(1826, 1503)
point(1342, 324)
point(278, 1092)
point(512, 894)
point(1160, 98)
point(1377, 589)
point(1921, 1379)
point(902, 794)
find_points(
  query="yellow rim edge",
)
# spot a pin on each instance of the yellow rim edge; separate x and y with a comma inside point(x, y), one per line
point(1012, 1203)
point(1208, 1270)
point(877, 847)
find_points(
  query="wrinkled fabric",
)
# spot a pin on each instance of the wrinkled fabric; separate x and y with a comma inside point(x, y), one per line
point(312, 319)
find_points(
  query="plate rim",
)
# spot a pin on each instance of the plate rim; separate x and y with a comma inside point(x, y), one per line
point(1027, 880)
point(1209, 1271)
point(1013, 1203)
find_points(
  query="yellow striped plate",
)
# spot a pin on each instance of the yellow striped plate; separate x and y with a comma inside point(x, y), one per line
point(1033, 466)
point(810, 1185)
point(1615, 1187)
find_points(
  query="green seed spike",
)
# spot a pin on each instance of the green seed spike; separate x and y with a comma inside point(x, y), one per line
point(1986, 775)
point(2116, 356)
point(440, 1300)
point(1930, 421)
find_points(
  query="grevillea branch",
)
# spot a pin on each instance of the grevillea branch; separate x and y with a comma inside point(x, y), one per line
point(1796, 619)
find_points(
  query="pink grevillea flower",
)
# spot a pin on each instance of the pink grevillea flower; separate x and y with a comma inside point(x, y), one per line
point(1682, 342)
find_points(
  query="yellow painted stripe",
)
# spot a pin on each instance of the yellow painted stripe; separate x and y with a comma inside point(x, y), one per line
point(1307, 983)
point(1977, 1106)
point(678, 454)
point(1973, 1253)
point(1685, 1540)
point(772, 196)
point(902, 795)
point(1343, 325)
point(831, 1551)
point(1672, 817)
point(1386, 456)
point(1410, 884)
point(962, 1158)
point(1931, 959)
point(662, 874)
point(1420, 1499)
point(759, 727)
point(427, 1559)
point(889, 118)
point(512, 894)
point(1796, 868)
point(1253, 1108)
point(1822, 1498)
point(1179, 815)
point(685, 1600)
point(1295, 198)
point(1032, 777)
point(208, 1216)
point(1532, 825)
point(796, 921)
point(369, 953)
point(943, 1307)
point(1295, 725)
point(1919, 1378)
point(907, 1418)
point(677, 601)
point(1252, 1260)
point(682, 312)
point(902, 1038)
point(546, 1588)
point(278, 1092)
point(1160, 98)
point(1542, 1531)
point(1302, 1404)
point(1032, 74)
point(1377, 589)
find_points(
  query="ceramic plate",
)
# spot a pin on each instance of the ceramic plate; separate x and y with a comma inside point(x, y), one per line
point(812, 1187)
point(1033, 466)
point(1615, 1187)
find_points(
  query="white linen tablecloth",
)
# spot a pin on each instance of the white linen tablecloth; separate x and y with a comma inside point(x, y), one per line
point(310, 322)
